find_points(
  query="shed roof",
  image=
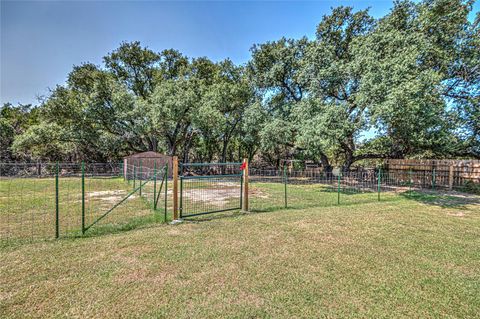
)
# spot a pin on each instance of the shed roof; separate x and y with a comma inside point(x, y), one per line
point(148, 154)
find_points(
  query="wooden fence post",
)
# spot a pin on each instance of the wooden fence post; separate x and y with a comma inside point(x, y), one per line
point(450, 178)
point(245, 185)
point(175, 187)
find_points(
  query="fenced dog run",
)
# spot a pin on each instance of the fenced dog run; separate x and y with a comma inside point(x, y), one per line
point(52, 200)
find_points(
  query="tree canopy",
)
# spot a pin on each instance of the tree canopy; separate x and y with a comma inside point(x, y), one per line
point(404, 85)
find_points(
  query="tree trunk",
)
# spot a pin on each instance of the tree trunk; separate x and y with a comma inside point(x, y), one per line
point(172, 148)
point(186, 150)
point(224, 153)
point(154, 144)
point(327, 168)
point(349, 159)
point(251, 154)
point(224, 150)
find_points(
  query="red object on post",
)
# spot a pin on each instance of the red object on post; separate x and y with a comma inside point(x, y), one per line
point(244, 165)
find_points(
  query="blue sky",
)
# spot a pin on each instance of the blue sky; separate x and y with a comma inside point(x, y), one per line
point(42, 40)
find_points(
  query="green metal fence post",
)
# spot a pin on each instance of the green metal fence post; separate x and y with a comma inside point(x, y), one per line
point(83, 198)
point(141, 177)
point(338, 188)
point(285, 183)
point(134, 175)
point(127, 173)
point(379, 182)
point(57, 216)
point(155, 185)
point(180, 208)
point(165, 199)
point(434, 177)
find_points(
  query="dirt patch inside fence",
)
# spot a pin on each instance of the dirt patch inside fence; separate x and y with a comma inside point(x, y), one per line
point(221, 195)
point(111, 196)
point(216, 196)
point(256, 193)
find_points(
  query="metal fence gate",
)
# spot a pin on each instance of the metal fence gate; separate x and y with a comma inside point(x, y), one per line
point(207, 188)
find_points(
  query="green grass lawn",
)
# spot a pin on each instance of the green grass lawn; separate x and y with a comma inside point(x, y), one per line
point(410, 255)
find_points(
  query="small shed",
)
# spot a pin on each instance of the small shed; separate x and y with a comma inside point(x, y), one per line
point(147, 161)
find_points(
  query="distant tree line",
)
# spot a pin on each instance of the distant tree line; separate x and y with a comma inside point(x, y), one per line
point(404, 85)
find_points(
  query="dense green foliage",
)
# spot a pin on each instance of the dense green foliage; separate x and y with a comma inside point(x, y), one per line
point(405, 85)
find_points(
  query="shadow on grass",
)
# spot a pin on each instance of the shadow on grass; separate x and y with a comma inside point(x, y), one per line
point(133, 223)
point(351, 202)
point(214, 216)
point(280, 207)
point(99, 230)
point(442, 198)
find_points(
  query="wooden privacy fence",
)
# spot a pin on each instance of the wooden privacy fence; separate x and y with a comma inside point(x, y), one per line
point(444, 173)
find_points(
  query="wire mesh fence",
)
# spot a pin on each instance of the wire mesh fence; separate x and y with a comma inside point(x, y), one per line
point(210, 187)
point(275, 189)
point(128, 201)
point(50, 200)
